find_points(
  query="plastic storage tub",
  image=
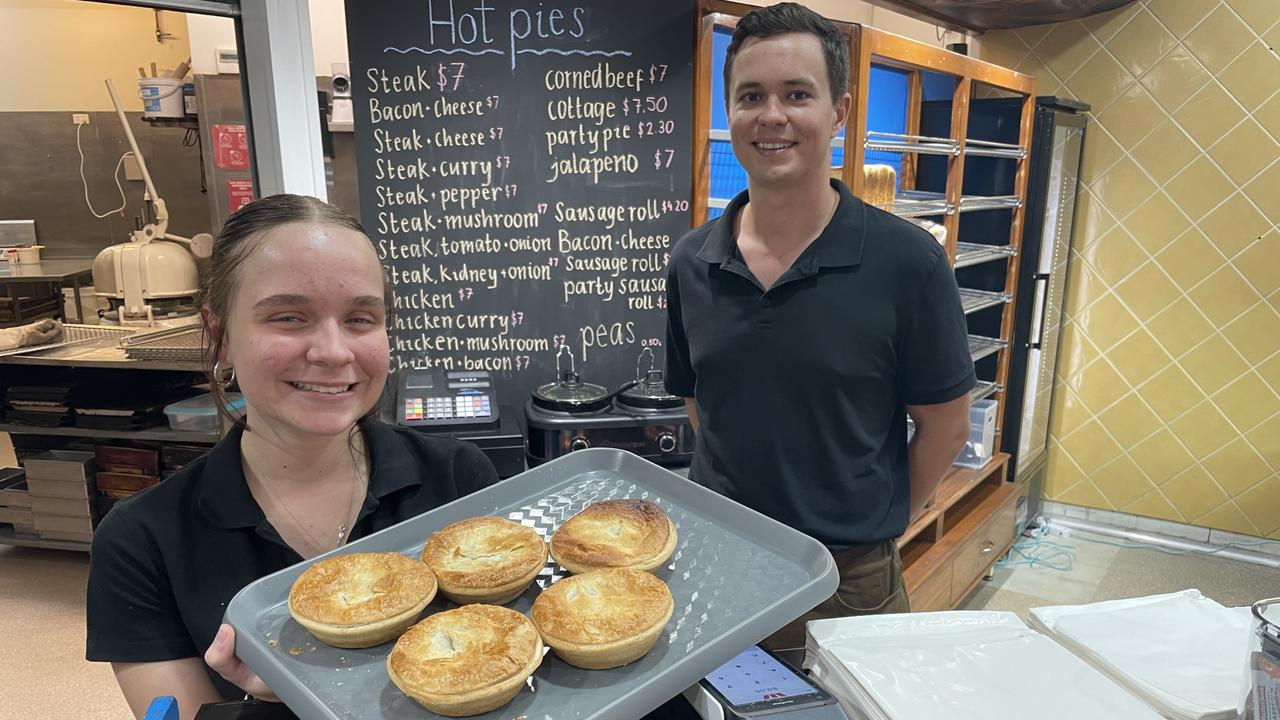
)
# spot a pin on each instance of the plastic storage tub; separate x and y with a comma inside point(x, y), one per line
point(200, 413)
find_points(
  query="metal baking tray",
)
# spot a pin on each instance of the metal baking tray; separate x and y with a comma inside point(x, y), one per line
point(73, 335)
point(736, 577)
point(181, 344)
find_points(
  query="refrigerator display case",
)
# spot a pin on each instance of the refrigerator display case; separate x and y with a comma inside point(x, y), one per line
point(1056, 148)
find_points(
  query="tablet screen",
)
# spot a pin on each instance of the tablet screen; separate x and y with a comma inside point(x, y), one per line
point(755, 676)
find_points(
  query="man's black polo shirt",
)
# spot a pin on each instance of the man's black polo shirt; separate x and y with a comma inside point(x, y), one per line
point(801, 390)
point(166, 562)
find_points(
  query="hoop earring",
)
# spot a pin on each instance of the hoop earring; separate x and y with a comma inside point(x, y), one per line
point(223, 376)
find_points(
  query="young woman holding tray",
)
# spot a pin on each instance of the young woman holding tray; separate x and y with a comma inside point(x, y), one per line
point(296, 311)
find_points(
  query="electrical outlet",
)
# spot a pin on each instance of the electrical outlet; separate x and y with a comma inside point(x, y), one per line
point(80, 118)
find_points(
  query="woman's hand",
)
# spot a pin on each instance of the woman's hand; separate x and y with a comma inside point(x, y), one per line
point(221, 656)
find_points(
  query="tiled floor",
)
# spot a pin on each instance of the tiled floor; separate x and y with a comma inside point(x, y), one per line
point(1100, 570)
point(42, 628)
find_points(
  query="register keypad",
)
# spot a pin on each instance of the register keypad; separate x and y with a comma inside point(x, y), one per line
point(447, 408)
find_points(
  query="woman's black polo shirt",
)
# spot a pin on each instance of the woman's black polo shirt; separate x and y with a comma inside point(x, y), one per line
point(166, 562)
point(801, 390)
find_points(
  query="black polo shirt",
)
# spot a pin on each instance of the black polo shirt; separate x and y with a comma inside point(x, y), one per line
point(801, 390)
point(166, 562)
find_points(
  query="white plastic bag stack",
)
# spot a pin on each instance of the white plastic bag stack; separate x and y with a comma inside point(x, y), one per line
point(959, 666)
point(1180, 652)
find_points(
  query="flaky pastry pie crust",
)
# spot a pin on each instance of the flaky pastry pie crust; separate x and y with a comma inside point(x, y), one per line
point(603, 618)
point(466, 661)
point(361, 599)
point(630, 533)
point(485, 559)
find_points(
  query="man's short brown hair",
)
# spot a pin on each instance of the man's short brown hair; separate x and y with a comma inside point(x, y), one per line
point(789, 17)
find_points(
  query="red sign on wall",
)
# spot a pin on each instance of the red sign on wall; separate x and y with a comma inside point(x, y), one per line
point(230, 147)
point(239, 194)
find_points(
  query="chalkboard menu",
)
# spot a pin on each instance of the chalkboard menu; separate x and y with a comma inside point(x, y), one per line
point(524, 169)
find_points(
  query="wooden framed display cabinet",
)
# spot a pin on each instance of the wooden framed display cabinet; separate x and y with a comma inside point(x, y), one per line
point(970, 180)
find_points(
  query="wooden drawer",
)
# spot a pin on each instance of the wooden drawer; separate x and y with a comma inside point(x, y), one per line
point(934, 593)
point(987, 544)
point(127, 482)
point(138, 461)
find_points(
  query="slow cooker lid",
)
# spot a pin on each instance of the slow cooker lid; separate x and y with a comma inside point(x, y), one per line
point(650, 393)
point(570, 394)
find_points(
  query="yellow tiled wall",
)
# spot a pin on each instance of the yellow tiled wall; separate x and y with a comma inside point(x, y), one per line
point(1166, 402)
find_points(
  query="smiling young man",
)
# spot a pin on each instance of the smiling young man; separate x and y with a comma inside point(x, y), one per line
point(805, 326)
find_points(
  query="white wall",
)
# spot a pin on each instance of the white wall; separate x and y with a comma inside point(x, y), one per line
point(207, 34)
point(862, 13)
point(56, 53)
point(328, 34)
point(328, 37)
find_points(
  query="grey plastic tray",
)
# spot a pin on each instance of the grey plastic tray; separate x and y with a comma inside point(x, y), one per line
point(736, 576)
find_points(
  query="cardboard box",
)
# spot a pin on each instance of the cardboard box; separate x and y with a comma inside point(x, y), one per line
point(64, 465)
point(13, 493)
point(61, 507)
point(78, 489)
point(17, 516)
point(86, 538)
point(53, 524)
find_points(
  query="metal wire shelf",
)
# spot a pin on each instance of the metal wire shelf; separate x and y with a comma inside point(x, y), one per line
point(984, 389)
point(973, 253)
point(974, 300)
point(919, 203)
point(980, 347)
point(988, 148)
point(922, 144)
point(972, 203)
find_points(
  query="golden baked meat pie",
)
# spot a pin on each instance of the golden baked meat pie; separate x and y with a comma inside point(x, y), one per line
point(485, 559)
point(466, 661)
point(361, 599)
point(603, 618)
point(633, 534)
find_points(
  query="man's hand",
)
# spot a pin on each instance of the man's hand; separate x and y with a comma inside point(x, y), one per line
point(941, 432)
point(920, 513)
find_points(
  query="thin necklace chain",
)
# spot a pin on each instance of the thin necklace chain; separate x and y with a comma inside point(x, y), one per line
point(342, 526)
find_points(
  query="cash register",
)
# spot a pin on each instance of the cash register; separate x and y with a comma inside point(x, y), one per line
point(461, 404)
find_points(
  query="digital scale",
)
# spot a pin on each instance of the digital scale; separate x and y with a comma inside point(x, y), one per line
point(437, 398)
point(758, 683)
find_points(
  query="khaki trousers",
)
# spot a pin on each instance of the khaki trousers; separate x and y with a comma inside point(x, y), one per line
point(870, 584)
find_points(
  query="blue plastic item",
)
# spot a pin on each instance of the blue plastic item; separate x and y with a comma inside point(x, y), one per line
point(164, 707)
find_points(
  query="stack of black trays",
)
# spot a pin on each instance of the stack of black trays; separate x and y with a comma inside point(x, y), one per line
point(38, 405)
point(121, 400)
point(132, 401)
